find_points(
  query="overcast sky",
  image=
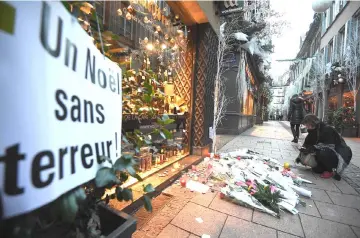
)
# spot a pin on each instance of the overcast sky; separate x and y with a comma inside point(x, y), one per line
point(299, 14)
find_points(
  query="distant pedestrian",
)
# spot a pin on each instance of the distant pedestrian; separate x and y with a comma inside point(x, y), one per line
point(324, 149)
point(296, 115)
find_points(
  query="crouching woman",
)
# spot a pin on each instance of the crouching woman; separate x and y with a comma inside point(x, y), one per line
point(324, 149)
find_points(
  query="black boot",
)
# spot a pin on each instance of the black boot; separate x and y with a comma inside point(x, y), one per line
point(296, 140)
point(337, 177)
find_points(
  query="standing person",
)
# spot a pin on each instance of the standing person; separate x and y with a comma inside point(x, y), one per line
point(331, 153)
point(296, 115)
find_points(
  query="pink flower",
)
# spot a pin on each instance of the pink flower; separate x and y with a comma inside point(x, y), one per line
point(251, 183)
point(240, 183)
point(272, 189)
point(238, 158)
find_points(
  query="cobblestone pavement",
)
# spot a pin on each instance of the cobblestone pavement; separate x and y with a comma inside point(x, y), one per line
point(332, 211)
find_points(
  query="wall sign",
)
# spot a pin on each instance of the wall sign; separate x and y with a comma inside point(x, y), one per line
point(231, 6)
point(61, 106)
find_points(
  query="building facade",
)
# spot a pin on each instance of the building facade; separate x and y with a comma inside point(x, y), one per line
point(331, 42)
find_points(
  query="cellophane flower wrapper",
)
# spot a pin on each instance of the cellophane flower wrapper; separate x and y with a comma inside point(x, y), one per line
point(240, 170)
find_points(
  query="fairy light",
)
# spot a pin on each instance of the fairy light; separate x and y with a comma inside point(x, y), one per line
point(149, 47)
point(163, 46)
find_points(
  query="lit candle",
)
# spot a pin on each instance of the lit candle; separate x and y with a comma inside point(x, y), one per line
point(183, 182)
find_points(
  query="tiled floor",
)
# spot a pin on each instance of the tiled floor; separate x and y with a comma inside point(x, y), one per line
point(332, 211)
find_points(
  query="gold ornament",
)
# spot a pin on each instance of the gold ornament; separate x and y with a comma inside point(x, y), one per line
point(146, 19)
point(146, 40)
point(119, 12)
point(286, 165)
point(130, 9)
point(172, 41)
point(177, 17)
point(128, 16)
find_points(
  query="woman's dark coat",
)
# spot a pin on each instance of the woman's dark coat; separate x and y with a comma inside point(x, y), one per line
point(296, 110)
point(328, 135)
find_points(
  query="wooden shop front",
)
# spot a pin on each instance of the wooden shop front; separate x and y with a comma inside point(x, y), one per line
point(154, 43)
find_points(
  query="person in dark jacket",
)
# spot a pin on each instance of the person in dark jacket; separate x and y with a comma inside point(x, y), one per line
point(296, 115)
point(332, 154)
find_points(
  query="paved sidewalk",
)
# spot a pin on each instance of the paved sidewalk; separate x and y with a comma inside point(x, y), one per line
point(333, 210)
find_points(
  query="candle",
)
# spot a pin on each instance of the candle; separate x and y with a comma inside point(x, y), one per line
point(183, 182)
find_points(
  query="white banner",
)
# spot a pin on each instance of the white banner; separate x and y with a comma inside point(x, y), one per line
point(60, 102)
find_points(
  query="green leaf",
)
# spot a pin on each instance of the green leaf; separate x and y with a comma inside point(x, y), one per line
point(124, 162)
point(105, 176)
point(68, 204)
point(149, 188)
point(124, 139)
point(147, 203)
point(123, 176)
point(105, 158)
point(133, 173)
point(127, 194)
point(147, 98)
point(168, 121)
point(165, 117)
point(166, 134)
point(162, 135)
point(119, 195)
point(148, 142)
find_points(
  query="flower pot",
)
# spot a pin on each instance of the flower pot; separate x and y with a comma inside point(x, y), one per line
point(116, 224)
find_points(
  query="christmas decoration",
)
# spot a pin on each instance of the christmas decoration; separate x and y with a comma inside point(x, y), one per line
point(321, 5)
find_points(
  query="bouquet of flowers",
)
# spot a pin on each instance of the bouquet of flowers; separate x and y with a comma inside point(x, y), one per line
point(257, 181)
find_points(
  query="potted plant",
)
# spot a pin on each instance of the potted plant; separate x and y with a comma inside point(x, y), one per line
point(344, 121)
point(83, 212)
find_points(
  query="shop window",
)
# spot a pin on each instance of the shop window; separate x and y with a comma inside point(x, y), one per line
point(348, 99)
point(340, 45)
point(333, 103)
point(248, 105)
point(330, 51)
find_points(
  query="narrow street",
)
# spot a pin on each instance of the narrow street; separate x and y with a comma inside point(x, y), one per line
point(332, 211)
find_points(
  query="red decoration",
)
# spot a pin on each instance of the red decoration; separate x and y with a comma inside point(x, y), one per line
point(183, 182)
point(222, 196)
point(238, 158)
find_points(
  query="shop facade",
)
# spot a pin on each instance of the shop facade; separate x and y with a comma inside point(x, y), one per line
point(174, 50)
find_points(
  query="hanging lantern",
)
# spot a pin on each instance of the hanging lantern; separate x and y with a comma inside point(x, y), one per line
point(128, 16)
point(321, 5)
point(177, 17)
point(119, 12)
point(158, 28)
